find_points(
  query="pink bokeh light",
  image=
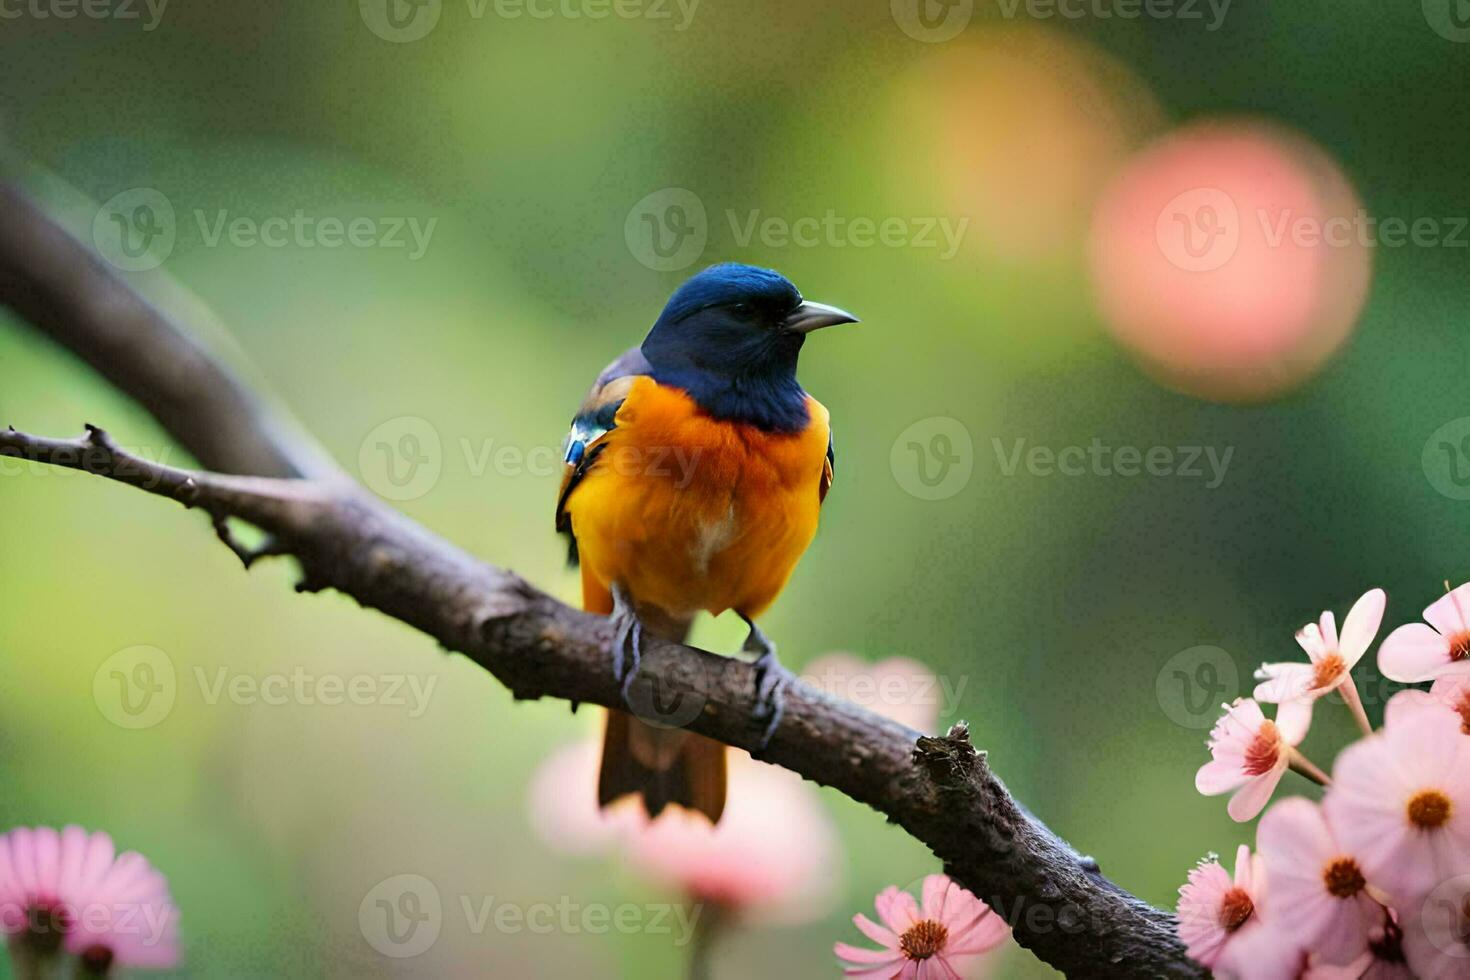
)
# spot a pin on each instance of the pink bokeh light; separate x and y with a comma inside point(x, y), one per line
point(1018, 127)
point(1232, 259)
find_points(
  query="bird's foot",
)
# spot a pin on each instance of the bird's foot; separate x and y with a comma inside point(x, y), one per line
point(627, 642)
point(771, 679)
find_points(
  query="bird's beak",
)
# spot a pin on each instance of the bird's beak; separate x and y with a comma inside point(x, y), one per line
point(811, 316)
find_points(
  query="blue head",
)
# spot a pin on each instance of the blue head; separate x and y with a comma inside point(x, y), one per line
point(730, 337)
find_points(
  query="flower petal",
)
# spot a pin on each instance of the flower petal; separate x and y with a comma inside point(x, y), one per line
point(73, 854)
point(1293, 834)
point(1448, 613)
point(979, 935)
point(47, 843)
point(1260, 952)
point(1293, 718)
point(1413, 653)
point(886, 971)
point(1361, 626)
point(875, 932)
point(1329, 631)
point(1404, 703)
point(1283, 682)
point(1216, 777)
point(1310, 639)
point(897, 909)
point(940, 969)
point(856, 954)
point(936, 889)
point(1252, 798)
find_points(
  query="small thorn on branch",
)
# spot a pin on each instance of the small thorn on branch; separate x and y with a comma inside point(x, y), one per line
point(97, 436)
point(227, 537)
point(270, 546)
point(312, 581)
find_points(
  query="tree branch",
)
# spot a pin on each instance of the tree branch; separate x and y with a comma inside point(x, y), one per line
point(69, 293)
point(941, 790)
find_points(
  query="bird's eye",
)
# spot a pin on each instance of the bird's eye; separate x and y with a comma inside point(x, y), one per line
point(741, 307)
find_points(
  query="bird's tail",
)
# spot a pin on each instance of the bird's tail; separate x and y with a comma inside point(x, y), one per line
point(661, 765)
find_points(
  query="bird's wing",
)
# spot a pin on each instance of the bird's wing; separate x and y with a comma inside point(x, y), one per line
point(829, 471)
point(595, 419)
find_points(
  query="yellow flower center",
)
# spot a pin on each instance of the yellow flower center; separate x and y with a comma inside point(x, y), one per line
point(923, 939)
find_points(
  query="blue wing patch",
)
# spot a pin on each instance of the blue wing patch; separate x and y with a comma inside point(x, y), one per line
point(595, 419)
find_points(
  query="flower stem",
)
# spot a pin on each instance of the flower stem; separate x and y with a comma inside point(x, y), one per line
point(1355, 704)
point(28, 964)
point(1303, 766)
point(706, 927)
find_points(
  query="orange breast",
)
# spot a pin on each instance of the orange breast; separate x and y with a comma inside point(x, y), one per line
point(690, 513)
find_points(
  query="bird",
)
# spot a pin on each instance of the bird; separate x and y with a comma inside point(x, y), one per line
point(694, 472)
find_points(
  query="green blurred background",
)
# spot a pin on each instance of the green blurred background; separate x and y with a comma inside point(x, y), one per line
point(1067, 605)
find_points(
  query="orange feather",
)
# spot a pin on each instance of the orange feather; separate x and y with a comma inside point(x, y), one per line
point(693, 513)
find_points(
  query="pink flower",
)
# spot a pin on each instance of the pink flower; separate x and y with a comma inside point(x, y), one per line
point(1451, 694)
point(68, 890)
point(1383, 960)
point(1437, 936)
point(1416, 652)
point(1297, 686)
point(1316, 885)
point(773, 855)
point(1400, 800)
point(1369, 966)
point(1365, 967)
point(1250, 752)
point(938, 941)
point(774, 852)
point(897, 688)
point(1223, 924)
point(563, 804)
point(1454, 693)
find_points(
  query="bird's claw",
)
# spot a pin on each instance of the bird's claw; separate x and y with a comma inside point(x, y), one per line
point(627, 643)
point(770, 697)
point(771, 679)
